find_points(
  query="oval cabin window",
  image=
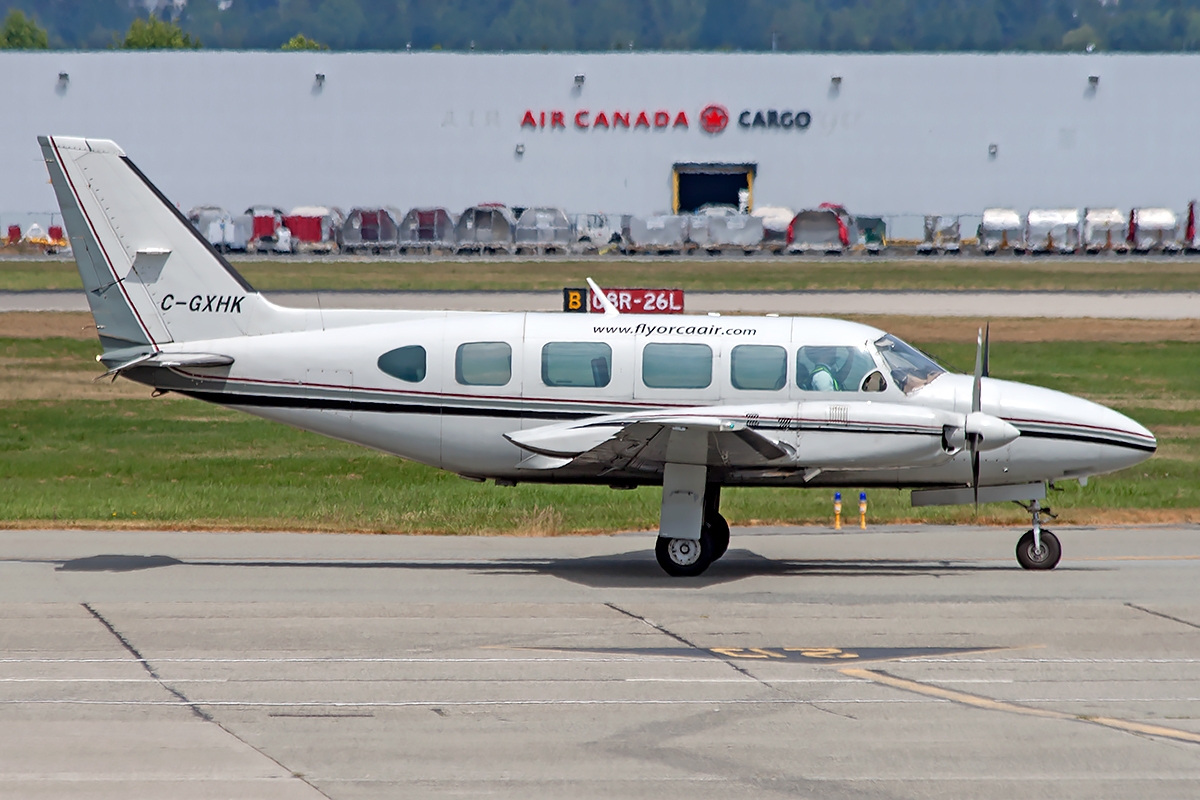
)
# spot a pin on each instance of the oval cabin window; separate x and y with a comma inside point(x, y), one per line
point(405, 363)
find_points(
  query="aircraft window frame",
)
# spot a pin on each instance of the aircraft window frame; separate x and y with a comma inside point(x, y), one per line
point(674, 357)
point(600, 373)
point(467, 348)
point(393, 364)
point(780, 379)
point(909, 367)
point(851, 366)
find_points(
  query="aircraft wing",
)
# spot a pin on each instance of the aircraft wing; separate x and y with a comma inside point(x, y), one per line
point(648, 441)
point(805, 436)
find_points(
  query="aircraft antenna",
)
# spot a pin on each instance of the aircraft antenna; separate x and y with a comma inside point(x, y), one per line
point(609, 309)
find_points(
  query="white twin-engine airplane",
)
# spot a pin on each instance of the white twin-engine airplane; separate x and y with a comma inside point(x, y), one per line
point(689, 403)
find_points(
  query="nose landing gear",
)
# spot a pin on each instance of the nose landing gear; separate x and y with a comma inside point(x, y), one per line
point(1038, 548)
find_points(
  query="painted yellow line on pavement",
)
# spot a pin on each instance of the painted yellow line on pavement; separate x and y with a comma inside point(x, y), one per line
point(875, 676)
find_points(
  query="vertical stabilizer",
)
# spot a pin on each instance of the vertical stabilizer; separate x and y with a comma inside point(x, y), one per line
point(150, 276)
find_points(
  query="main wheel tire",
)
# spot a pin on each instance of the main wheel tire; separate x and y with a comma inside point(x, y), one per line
point(718, 533)
point(1046, 558)
point(684, 558)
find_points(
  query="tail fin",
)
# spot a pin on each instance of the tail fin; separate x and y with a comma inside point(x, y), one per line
point(150, 277)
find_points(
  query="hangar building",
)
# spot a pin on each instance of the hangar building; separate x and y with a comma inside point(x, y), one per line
point(618, 132)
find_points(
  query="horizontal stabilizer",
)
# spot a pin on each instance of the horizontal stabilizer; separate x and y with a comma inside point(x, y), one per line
point(164, 360)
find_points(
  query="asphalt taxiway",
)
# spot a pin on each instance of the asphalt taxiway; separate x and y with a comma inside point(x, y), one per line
point(897, 662)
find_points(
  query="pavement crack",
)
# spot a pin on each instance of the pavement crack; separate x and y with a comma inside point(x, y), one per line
point(657, 627)
point(1164, 616)
point(182, 698)
point(133, 651)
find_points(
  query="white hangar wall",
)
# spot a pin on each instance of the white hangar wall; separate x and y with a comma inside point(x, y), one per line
point(899, 134)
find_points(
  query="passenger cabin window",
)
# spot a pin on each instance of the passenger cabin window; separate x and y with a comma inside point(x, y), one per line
point(576, 364)
point(483, 364)
point(405, 363)
point(833, 369)
point(677, 366)
point(758, 367)
point(911, 369)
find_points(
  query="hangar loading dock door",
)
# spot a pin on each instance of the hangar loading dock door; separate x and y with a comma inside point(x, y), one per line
point(696, 185)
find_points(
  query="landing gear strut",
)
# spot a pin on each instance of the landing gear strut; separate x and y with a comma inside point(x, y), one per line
point(1038, 548)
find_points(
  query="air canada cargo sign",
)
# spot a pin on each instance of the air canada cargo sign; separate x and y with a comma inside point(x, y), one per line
point(712, 119)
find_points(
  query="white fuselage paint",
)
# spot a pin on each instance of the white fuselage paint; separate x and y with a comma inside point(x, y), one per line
point(462, 428)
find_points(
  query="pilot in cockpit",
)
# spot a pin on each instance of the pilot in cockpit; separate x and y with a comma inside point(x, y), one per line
point(822, 378)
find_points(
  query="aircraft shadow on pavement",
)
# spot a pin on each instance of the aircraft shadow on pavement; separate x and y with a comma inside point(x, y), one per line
point(634, 569)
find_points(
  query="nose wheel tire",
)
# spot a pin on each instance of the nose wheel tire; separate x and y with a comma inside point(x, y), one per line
point(1029, 557)
point(684, 558)
point(718, 532)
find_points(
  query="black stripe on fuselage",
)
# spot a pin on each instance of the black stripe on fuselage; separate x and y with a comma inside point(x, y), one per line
point(1091, 438)
point(383, 407)
point(331, 404)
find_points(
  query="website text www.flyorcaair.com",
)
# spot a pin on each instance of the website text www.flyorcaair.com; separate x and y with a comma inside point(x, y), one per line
point(643, 329)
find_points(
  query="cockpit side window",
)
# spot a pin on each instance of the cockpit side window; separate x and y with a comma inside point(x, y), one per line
point(822, 368)
point(911, 369)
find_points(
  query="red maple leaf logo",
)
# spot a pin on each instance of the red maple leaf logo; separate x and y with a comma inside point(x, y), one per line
point(714, 118)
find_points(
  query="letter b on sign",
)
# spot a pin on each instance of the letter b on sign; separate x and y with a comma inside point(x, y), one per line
point(574, 301)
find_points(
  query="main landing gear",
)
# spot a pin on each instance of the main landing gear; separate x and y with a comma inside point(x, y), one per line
point(687, 557)
point(1038, 549)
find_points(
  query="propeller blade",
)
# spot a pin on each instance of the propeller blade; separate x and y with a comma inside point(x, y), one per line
point(981, 371)
point(975, 472)
point(976, 389)
point(987, 333)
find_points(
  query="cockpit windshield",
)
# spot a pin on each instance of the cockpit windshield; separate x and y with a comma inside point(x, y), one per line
point(911, 369)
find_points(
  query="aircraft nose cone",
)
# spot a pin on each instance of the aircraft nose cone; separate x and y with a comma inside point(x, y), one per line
point(1071, 435)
